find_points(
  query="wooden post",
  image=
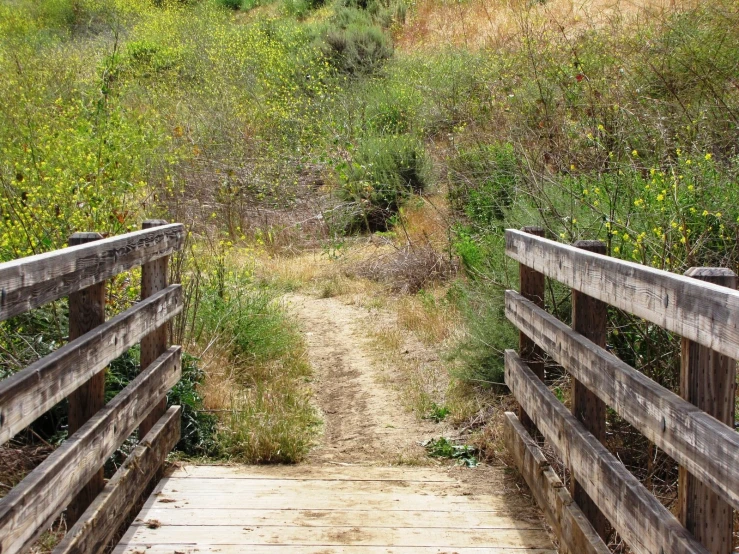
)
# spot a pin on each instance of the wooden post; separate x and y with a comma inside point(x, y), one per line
point(532, 288)
point(707, 380)
point(86, 311)
point(154, 277)
point(589, 318)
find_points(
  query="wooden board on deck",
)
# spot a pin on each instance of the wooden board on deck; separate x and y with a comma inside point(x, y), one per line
point(311, 510)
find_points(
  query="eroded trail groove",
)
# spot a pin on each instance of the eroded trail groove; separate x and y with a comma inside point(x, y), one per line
point(351, 496)
point(365, 421)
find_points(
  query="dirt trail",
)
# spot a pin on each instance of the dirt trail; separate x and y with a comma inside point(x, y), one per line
point(365, 421)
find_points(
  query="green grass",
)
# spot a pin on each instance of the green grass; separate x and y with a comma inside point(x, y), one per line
point(262, 396)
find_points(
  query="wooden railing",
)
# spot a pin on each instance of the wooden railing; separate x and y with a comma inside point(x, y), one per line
point(71, 477)
point(696, 428)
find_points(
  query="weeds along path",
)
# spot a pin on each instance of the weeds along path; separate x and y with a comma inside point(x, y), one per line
point(364, 418)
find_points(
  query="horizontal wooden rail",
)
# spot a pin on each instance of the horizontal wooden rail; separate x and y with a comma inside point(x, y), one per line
point(705, 446)
point(575, 533)
point(645, 525)
point(99, 523)
point(702, 312)
point(31, 392)
point(43, 494)
point(36, 280)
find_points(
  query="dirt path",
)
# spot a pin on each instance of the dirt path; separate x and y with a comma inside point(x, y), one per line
point(364, 419)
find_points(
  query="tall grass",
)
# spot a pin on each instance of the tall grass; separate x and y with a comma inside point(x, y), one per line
point(256, 376)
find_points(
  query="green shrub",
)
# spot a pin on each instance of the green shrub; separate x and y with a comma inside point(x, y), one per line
point(356, 47)
point(231, 4)
point(391, 107)
point(383, 173)
point(489, 334)
point(198, 427)
point(482, 182)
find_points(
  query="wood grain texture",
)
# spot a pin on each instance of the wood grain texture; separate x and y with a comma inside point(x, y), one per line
point(645, 525)
point(326, 473)
point(575, 533)
point(287, 549)
point(707, 380)
point(33, 281)
point(154, 277)
point(703, 312)
point(532, 284)
point(143, 534)
point(589, 318)
point(310, 500)
point(708, 448)
point(86, 311)
point(110, 509)
point(29, 393)
point(246, 517)
point(44, 493)
point(335, 508)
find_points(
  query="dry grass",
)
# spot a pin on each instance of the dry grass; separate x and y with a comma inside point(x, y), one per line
point(408, 269)
point(430, 317)
point(477, 24)
point(17, 461)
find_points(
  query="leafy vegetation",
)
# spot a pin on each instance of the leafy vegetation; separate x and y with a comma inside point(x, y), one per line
point(270, 127)
point(444, 448)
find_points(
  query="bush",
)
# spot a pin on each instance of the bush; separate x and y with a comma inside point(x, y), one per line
point(231, 4)
point(391, 107)
point(482, 182)
point(356, 47)
point(384, 172)
point(489, 334)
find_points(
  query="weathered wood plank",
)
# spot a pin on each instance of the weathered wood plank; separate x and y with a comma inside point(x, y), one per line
point(33, 281)
point(99, 523)
point(287, 549)
point(86, 311)
point(589, 318)
point(46, 490)
point(194, 485)
point(705, 446)
point(334, 536)
point(340, 501)
point(154, 277)
point(315, 472)
point(702, 312)
point(707, 380)
point(246, 517)
point(575, 533)
point(532, 284)
point(36, 389)
point(645, 525)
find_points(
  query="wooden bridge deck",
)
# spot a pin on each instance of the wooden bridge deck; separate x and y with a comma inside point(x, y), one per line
point(340, 509)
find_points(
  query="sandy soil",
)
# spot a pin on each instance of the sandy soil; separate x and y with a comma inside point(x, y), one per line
point(364, 419)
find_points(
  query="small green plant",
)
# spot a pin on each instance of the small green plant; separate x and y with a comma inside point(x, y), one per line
point(437, 413)
point(444, 448)
point(268, 417)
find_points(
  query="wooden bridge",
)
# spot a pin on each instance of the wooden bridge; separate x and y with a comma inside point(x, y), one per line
point(372, 510)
